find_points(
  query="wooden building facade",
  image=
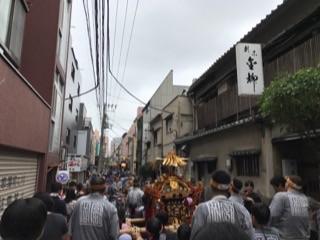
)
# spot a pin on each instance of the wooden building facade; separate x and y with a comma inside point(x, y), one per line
point(228, 131)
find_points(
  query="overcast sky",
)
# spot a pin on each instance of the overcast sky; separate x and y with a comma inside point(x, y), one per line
point(184, 35)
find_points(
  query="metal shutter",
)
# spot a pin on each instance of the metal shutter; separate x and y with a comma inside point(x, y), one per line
point(18, 178)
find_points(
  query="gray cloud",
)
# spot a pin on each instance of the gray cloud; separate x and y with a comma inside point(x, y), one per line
point(186, 36)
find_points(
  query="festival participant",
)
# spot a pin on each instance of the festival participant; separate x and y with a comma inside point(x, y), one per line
point(80, 190)
point(164, 219)
point(220, 208)
point(235, 189)
point(249, 192)
point(184, 232)
point(154, 228)
point(278, 183)
point(289, 211)
point(59, 205)
point(23, 219)
point(134, 198)
point(70, 201)
point(220, 231)
point(56, 227)
point(260, 218)
point(94, 217)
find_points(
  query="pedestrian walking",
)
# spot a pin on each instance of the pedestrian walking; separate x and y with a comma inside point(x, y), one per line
point(94, 217)
point(183, 232)
point(134, 198)
point(164, 219)
point(220, 208)
point(289, 211)
point(260, 218)
point(59, 205)
point(278, 183)
point(23, 219)
point(70, 200)
point(56, 227)
point(220, 231)
point(235, 191)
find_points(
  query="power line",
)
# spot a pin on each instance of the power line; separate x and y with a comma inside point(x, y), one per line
point(130, 38)
point(86, 12)
point(117, 125)
point(115, 32)
point(96, 6)
point(83, 93)
point(115, 78)
point(114, 41)
point(122, 38)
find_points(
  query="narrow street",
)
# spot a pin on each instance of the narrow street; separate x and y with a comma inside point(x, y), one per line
point(159, 120)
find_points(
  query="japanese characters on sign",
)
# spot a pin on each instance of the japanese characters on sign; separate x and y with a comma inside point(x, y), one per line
point(249, 69)
point(77, 164)
point(74, 164)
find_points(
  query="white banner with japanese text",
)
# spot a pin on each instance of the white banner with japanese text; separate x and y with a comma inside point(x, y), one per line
point(249, 69)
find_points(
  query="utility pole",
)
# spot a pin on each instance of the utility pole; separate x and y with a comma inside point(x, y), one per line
point(103, 127)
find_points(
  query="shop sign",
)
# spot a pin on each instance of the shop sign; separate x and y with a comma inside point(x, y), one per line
point(74, 164)
point(249, 69)
point(63, 176)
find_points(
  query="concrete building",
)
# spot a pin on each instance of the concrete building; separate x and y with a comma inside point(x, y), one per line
point(228, 132)
point(33, 48)
point(115, 142)
point(44, 64)
point(72, 106)
point(84, 154)
point(162, 96)
point(175, 121)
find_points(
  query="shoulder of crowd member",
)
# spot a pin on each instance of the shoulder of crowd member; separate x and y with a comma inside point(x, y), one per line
point(280, 195)
point(200, 208)
point(241, 207)
point(80, 199)
point(313, 204)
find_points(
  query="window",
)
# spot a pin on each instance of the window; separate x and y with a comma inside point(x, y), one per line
point(77, 115)
point(51, 135)
point(68, 136)
point(78, 91)
point(155, 137)
point(54, 101)
point(74, 141)
point(56, 95)
point(5, 6)
point(73, 72)
point(61, 14)
point(71, 102)
point(247, 165)
point(12, 20)
point(169, 121)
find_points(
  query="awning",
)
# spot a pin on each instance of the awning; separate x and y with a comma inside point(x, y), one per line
point(246, 152)
point(204, 158)
point(294, 137)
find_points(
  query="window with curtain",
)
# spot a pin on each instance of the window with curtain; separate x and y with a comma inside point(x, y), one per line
point(5, 12)
point(12, 21)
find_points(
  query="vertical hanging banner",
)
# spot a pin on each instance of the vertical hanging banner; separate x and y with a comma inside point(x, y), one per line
point(249, 69)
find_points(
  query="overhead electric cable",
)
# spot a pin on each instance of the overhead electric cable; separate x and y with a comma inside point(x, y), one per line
point(129, 44)
point(115, 78)
point(115, 33)
point(96, 6)
point(122, 37)
point(91, 57)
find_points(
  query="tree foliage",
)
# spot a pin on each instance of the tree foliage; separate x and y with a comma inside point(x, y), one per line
point(293, 100)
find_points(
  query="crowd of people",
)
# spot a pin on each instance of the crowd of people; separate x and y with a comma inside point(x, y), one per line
point(100, 208)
